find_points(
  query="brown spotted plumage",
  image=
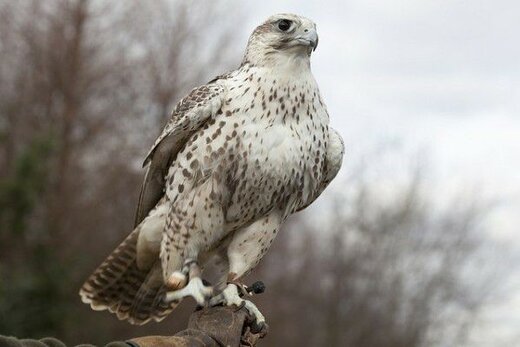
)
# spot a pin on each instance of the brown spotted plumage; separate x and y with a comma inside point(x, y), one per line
point(238, 156)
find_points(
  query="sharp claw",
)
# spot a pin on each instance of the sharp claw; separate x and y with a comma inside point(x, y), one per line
point(242, 304)
point(216, 300)
point(260, 328)
point(195, 288)
point(254, 312)
point(230, 296)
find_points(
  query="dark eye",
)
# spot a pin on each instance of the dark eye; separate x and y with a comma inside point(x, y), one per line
point(284, 24)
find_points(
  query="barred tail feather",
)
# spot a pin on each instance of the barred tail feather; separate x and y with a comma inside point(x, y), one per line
point(118, 285)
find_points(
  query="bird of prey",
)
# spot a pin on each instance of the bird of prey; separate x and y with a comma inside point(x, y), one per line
point(238, 156)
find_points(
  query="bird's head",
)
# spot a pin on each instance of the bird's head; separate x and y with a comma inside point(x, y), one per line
point(282, 38)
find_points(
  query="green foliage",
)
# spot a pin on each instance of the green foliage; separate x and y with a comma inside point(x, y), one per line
point(32, 278)
point(20, 192)
point(31, 297)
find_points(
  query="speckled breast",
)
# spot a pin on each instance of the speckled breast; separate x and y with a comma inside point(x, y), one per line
point(280, 150)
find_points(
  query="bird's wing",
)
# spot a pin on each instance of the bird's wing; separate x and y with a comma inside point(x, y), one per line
point(190, 114)
point(335, 151)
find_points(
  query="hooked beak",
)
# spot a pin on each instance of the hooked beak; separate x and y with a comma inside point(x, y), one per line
point(309, 38)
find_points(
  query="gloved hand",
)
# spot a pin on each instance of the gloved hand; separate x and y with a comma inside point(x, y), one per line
point(218, 326)
point(199, 340)
point(215, 327)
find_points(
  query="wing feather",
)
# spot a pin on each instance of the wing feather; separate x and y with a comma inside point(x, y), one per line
point(333, 162)
point(189, 115)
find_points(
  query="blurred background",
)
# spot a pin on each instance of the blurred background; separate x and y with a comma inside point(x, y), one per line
point(414, 244)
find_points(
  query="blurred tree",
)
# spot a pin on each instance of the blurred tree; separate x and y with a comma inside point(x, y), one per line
point(85, 86)
point(29, 271)
point(383, 266)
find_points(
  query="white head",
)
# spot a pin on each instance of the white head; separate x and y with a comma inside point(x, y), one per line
point(282, 38)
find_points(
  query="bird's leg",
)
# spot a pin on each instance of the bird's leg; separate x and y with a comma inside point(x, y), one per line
point(256, 288)
point(241, 287)
point(195, 287)
point(232, 295)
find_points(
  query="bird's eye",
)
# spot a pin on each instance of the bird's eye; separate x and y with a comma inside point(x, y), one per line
point(284, 24)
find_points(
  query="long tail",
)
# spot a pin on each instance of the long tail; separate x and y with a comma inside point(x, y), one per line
point(118, 285)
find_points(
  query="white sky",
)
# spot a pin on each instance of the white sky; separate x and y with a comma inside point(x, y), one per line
point(440, 75)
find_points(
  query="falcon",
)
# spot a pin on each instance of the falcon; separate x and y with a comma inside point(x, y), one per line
point(238, 156)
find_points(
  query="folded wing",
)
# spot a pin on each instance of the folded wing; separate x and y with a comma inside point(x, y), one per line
point(189, 115)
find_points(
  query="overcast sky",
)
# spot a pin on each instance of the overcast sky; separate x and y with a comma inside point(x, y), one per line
point(441, 76)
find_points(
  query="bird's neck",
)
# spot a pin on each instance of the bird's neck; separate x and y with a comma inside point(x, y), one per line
point(296, 61)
